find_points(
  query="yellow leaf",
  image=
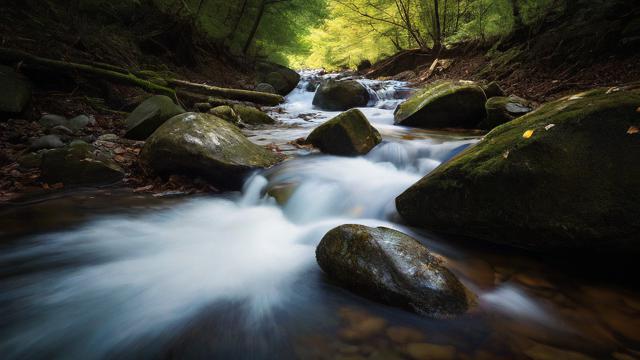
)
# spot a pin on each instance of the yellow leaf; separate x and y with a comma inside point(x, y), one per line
point(527, 134)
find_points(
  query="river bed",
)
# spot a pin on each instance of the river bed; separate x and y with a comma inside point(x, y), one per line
point(107, 273)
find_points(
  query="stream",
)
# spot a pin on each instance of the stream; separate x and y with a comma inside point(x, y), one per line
point(95, 274)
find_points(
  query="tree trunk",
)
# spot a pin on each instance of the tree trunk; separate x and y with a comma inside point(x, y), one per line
point(256, 25)
point(437, 36)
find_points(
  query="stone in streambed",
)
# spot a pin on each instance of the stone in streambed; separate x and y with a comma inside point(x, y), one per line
point(226, 113)
point(15, 91)
point(444, 104)
point(501, 110)
point(283, 79)
point(80, 122)
point(334, 95)
point(565, 176)
point(388, 265)
point(266, 88)
point(348, 134)
point(150, 115)
point(197, 144)
point(78, 164)
point(47, 142)
point(49, 121)
point(252, 116)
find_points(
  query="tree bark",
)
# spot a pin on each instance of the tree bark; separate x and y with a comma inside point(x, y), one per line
point(233, 94)
point(437, 38)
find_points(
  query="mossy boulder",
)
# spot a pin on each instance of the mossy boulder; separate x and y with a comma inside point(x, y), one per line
point(444, 104)
point(149, 115)
point(501, 110)
point(283, 79)
point(395, 268)
point(565, 176)
point(349, 134)
point(252, 116)
point(15, 91)
point(340, 95)
point(78, 164)
point(266, 88)
point(197, 144)
point(227, 113)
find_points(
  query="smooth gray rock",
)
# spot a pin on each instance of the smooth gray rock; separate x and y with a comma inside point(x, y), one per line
point(390, 266)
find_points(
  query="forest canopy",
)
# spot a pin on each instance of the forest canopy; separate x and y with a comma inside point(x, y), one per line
point(341, 33)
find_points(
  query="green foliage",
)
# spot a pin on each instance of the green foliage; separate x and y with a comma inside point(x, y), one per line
point(372, 29)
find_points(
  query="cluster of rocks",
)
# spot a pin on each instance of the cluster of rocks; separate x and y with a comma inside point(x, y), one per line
point(564, 176)
point(460, 104)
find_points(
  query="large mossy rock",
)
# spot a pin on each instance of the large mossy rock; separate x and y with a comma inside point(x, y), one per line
point(78, 164)
point(15, 91)
point(349, 134)
point(388, 265)
point(565, 176)
point(150, 115)
point(283, 79)
point(340, 95)
point(252, 116)
point(501, 110)
point(197, 144)
point(444, 104)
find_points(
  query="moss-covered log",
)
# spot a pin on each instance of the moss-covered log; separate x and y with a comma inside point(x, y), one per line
point(13, 56)
point(233, 94)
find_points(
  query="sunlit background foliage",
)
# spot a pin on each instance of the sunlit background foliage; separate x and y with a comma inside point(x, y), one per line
point(341, 33)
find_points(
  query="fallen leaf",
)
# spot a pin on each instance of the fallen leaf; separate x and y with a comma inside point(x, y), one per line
point(638, 109)
point(505, 154)
point(633, 130)
point(549, 126)
point(119, 158)
point(57, 186)
point(119, 151)
point(527, 134)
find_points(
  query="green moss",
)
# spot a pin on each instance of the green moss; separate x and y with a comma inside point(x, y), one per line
point(444, 104)
point(571, 184)
point(252, 116)
point(349, 134)
point(341, 95)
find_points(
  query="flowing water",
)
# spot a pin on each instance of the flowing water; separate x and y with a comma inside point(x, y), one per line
point(111, 274)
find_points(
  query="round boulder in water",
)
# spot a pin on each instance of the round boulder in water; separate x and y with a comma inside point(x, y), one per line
point(565, 176)
point(197, 144)
point(444, 104)
point(395, 268)
point(349, 134)
point(334, 95)
point(283, 79)
point(149, 115)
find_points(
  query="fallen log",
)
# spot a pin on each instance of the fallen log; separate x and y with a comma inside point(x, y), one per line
point(231, 94)
point(29, 60)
